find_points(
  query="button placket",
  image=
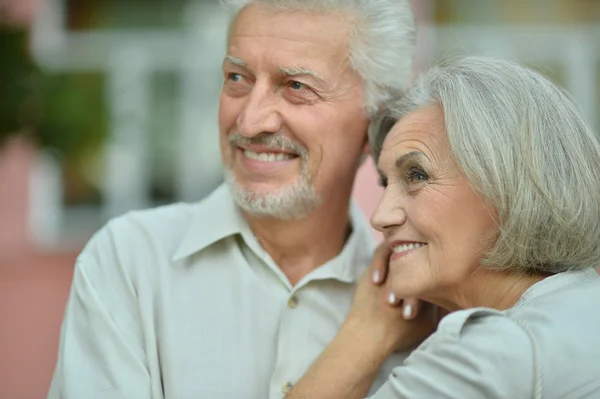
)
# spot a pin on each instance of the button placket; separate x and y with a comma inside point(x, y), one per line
point(287, 388)
point(293, 302)
point(291, 325)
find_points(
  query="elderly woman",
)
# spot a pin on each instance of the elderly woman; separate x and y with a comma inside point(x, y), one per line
point(491, 211)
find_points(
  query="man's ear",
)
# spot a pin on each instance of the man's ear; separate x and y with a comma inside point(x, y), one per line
point(367, 148)
point(366, 151)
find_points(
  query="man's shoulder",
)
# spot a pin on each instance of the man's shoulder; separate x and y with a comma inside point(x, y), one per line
point(158, 234)
point(157, 230)
point(161, 221)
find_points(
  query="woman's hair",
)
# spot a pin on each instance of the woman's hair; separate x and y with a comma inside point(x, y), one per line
point(382, 40)
point(524, 146)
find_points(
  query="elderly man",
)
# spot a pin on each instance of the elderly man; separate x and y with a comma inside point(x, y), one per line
point(235, 296)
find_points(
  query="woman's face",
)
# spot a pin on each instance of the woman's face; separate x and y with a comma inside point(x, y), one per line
point(436, 224)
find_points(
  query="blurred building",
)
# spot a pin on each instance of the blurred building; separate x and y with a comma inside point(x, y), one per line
point(159, 64)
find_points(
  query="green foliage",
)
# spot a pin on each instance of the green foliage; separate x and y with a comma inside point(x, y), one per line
point(72, 113)
point(17, 83)
point(65, 112)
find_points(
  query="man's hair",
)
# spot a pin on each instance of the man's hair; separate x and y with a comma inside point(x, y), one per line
point(525, 148)
point(382, 40)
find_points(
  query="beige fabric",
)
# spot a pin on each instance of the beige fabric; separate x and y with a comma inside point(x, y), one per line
point(546, 346)
point(182, 302)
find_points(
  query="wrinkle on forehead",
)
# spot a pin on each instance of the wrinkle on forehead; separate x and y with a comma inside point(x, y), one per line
point(315, 36)
point(257, 21)
point(422, 130)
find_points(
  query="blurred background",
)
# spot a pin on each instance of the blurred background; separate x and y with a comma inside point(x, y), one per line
point(111, 105)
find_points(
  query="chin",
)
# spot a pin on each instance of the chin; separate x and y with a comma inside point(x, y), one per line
point(405, 285)
point(281, 201)
point(261, 187)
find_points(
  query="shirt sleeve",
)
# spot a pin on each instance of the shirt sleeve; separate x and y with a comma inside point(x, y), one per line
point(101, 351)
point(474, 354)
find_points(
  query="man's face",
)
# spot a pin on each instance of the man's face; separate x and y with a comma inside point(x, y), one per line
point(291, 116)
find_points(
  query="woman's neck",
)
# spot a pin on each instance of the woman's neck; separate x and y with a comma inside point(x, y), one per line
point(486, 288)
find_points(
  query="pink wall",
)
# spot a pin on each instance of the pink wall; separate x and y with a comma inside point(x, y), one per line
point(367, 191)
point(33, 294)
point(33, 286)
point(20, 12)
point(16, 157)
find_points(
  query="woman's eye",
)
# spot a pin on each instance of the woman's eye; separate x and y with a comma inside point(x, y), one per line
point(416, 175)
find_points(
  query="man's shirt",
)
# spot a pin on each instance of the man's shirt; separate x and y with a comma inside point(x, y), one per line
point(182, 302)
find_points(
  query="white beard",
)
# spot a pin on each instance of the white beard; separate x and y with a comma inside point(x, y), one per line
point(293, 201)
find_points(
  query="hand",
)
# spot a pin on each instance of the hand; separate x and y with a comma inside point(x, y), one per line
point(371, 332)
point(379, 270)
point(372, 314)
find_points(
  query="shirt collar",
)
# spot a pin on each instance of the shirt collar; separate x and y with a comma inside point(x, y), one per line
point(556, 282)
point(214, 218)
point(218, 217)
point(356, 255)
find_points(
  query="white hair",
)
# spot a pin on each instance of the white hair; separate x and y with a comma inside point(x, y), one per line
point(525, 148)
point(382, 40)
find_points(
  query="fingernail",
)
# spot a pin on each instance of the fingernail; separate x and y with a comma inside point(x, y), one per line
point(407, 311)
point(376, 276)
point(392, 298)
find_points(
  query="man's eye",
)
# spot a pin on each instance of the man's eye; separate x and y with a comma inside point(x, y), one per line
point(235, 77)
point(416, 175)
point(297, 85)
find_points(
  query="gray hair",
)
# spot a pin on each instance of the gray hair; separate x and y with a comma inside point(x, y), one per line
point(382, 40)
point(524, 146)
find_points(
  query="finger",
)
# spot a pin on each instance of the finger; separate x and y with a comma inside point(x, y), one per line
point(379, 264)
point(392, 299)
point(411, 308)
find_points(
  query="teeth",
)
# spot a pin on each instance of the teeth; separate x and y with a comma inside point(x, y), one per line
point(267, 156)
point(398, 249)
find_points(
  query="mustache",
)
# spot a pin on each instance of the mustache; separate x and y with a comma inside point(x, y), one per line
point(270, 140)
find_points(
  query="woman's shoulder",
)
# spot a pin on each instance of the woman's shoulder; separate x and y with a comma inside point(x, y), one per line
point(560, 304)
point(483, 339)
point(474, 353)
point(483, 330)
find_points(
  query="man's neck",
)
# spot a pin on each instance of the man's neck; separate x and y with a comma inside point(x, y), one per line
point(300, 246)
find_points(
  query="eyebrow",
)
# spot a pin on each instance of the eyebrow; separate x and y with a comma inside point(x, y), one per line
point(299, 71)
point(401, 161)
point(407, 157)
point(294, 71)
point(236, 61)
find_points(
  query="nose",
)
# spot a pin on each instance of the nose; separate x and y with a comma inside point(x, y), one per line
point(260, 113)
point(390, 212)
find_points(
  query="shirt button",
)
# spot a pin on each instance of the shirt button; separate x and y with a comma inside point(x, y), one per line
point(287, 387)
point(293, 302)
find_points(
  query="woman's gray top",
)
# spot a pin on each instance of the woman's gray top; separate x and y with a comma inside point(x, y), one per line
point(546, 346)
